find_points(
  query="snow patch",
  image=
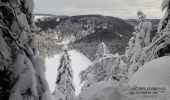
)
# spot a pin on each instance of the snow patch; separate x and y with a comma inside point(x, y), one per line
point(40, 17)
point(104, 90)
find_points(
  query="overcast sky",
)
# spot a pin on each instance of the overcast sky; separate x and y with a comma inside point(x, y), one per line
point(118, 8)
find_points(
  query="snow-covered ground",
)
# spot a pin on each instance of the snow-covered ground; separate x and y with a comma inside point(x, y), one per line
point(155, 73)
point(104, 90)
point(79, 62)
point(40, 17)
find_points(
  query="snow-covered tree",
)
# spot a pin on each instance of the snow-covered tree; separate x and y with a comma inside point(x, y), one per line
point(158, 47)
point(23, 68)
point(105, 67)
point(64, 80)
point(140, 40)
point(136, 51)
point(100, 63)
point(144, 28)
point(102, 50)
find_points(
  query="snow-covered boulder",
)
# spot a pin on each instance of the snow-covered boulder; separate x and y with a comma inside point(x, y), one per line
point(154, 73)
point(109, 90)
point(164, 4)
point(21, 65)
point(104, 90)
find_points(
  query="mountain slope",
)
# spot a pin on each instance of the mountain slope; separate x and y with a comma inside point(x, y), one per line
point(88, 30)
point(115, 37)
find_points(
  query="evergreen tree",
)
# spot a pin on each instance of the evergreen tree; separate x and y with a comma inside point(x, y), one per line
point(140, 40)
point(65, 76)
point(106, 66)
point(102, 50)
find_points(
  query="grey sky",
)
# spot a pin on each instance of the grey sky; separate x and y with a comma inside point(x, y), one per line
point(118, 8)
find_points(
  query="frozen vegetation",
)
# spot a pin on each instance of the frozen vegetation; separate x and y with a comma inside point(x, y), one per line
point(23, 70)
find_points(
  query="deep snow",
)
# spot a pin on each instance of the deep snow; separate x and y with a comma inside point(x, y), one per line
point(154, 73)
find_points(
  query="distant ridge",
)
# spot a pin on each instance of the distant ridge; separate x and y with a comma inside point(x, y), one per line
point(52, 15)
point(88, 31)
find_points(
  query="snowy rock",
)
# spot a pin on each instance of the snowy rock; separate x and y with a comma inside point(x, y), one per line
point(39, 65)
point(5, 50)
point(20, 22)
point(108, 90)
point(164, 21)
point(165, 3)
point(24, 73)
point(24, 69)
point(103, 90)
point(153, 73)
point(16, 96)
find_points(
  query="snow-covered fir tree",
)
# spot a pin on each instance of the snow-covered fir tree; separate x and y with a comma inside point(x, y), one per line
point(102, 78)
point(105, 67)
point(153, 61)
point(141, 39)
point(102, 50)
point(22, 69)
point(159, 46)
point(64, 80)
point(144, 28)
